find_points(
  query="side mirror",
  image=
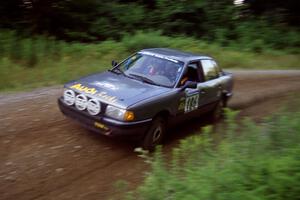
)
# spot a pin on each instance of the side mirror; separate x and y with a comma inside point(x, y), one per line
point(114, 63)
point(190, 84)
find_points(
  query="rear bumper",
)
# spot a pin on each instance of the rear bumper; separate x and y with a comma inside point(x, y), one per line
point(104, 125)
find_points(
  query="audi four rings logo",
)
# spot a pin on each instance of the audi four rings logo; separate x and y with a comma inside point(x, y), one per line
point(81, 102)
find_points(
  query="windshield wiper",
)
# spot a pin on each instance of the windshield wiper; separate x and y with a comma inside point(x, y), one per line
point(120, 71)
point(144, 79)
point(114, 70)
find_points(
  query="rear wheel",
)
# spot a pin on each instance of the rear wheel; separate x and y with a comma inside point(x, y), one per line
point(154, 135)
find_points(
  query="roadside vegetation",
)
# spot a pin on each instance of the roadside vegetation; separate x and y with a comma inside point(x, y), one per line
point(26, 63)
point(49, 42)
point(252, 161)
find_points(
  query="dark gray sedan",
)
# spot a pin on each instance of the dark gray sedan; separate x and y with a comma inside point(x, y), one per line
point(147, 92)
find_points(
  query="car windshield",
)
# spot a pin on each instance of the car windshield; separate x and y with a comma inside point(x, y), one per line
point(153, 69)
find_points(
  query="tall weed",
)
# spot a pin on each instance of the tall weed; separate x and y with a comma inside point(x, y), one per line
point(40, 61)
point(251, 162)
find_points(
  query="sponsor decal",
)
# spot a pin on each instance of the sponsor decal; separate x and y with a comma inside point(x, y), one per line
point(107, 85)
point(84, 89)
point(93, 91)
point(191, 102)
point(107, 97)
point(159, 56)
point(101, 126)
point(181, 104)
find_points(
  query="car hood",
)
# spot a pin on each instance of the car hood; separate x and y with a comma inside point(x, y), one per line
point(115, 89)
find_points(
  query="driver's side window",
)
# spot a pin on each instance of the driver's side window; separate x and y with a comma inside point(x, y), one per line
point(191, 73)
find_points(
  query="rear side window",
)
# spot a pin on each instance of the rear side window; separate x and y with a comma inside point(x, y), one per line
point(210, 69)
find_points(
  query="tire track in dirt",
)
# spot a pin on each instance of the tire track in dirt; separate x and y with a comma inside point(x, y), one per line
point(45, 156)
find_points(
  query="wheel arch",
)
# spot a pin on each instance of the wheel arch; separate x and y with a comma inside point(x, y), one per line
point(165, 114)
point(225, 97)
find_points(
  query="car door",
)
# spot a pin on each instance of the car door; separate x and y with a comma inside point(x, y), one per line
point(191, 98)
point(210, 88)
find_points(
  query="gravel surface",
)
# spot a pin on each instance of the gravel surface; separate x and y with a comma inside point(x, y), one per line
point(43, 155)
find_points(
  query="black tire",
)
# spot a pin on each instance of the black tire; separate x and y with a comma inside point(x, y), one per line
point(217, 113)
point(155, 134)
point(224, 100)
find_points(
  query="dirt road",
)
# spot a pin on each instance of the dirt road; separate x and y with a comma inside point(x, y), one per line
point(43, 155)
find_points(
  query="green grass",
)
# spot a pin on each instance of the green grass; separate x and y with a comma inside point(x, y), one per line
point(40, 61)
point(253, 161)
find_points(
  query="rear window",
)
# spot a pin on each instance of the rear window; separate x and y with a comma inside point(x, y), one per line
point(210, 69)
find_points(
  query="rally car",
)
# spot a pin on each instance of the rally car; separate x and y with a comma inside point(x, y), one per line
point(146, 93)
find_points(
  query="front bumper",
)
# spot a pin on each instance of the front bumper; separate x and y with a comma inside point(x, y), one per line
point(104, 125)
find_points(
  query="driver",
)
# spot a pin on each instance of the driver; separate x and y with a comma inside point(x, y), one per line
point(153, 68)
point(190, 75)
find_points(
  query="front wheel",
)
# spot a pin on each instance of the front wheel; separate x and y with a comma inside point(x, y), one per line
point(217, 112)
point(154, 135)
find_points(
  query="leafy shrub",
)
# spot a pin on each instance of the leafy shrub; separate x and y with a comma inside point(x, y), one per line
point(142, 40)
point(257, 46)
point(52, 61)
point(251, 162)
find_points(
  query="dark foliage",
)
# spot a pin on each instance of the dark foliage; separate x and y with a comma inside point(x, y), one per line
point(285, 11)
point(255, 21)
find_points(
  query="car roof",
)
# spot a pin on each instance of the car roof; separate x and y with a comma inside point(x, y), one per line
point(175, 54)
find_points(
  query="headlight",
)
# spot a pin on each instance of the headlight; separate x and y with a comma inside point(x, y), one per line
point(69, 97)
point(118, 113)
point(81, 102)
point(93, 107)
